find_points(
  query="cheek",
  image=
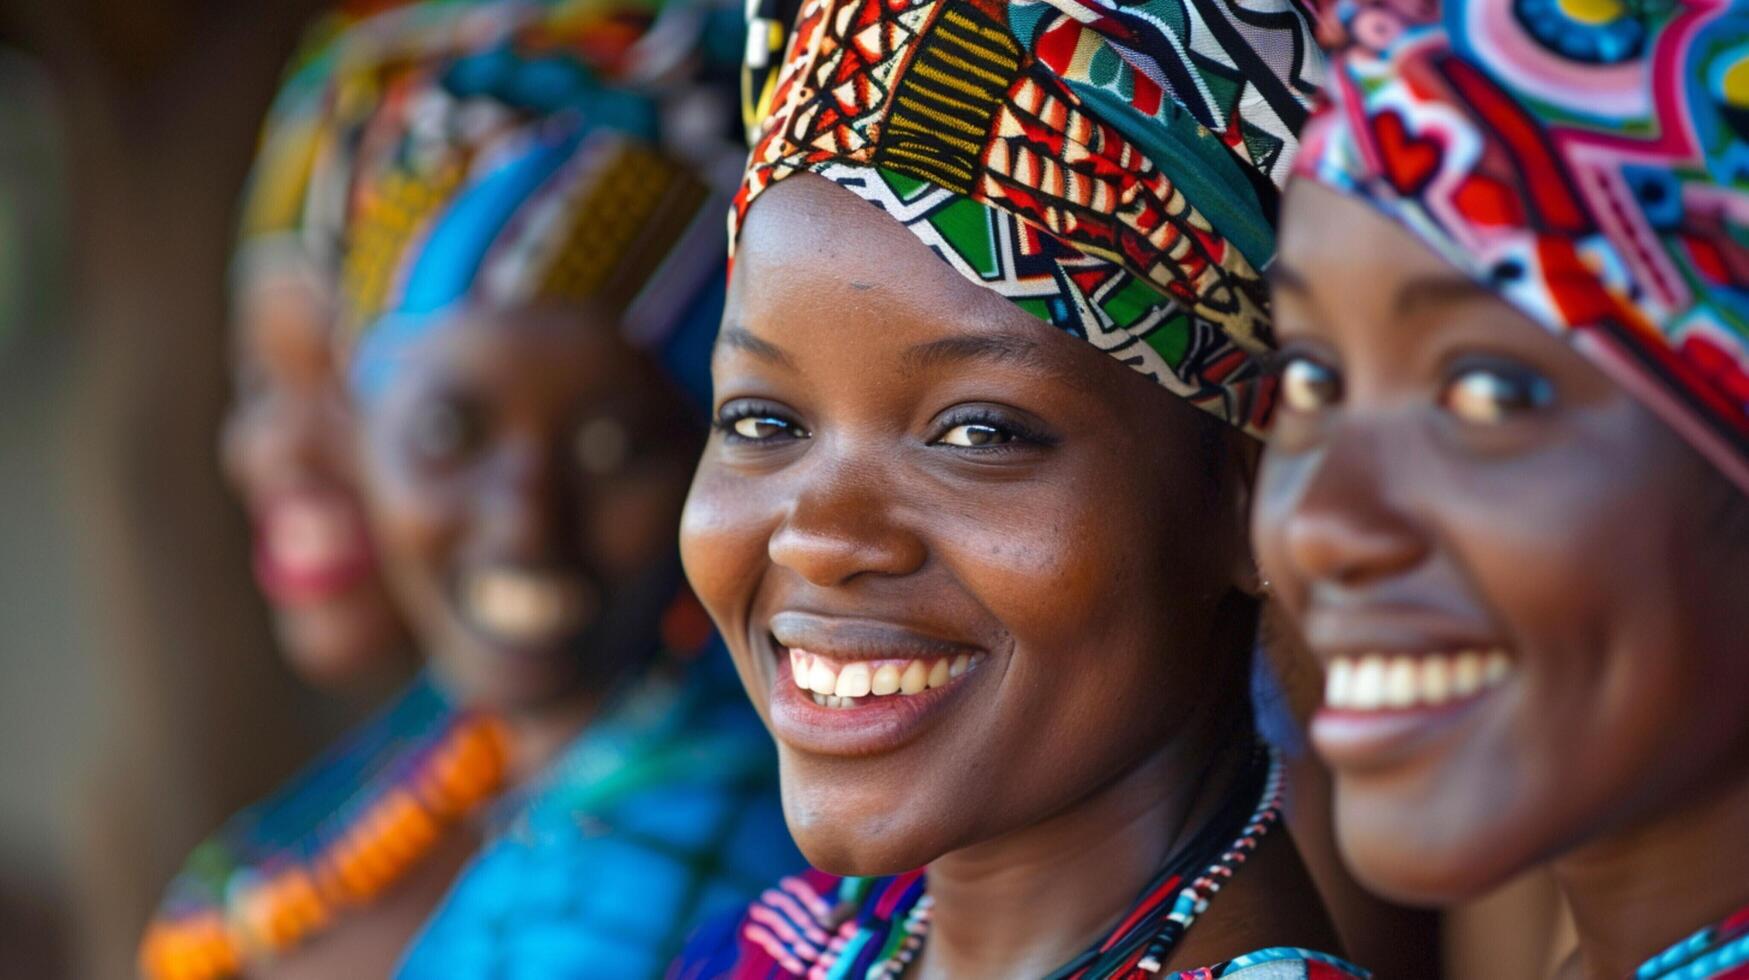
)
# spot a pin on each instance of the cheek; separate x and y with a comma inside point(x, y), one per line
point(1278, 488)
point(417, 520)
point(632, 523)
point(724, 530)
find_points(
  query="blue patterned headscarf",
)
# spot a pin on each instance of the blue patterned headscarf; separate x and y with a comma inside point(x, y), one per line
point(569, 161)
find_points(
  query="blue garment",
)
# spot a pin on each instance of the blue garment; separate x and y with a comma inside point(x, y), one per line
point(664, 813)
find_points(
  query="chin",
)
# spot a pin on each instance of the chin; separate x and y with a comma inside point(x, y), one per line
point(1394, 852)
point(855, 826)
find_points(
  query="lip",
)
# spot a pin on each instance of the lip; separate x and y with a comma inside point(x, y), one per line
point(878, 726)
point(343, 561)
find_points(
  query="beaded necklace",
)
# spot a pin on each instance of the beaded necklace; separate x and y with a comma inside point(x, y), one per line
point(1718, 952)
point(1141, 943)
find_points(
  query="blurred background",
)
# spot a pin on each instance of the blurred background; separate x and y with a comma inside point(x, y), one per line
point(129, 630)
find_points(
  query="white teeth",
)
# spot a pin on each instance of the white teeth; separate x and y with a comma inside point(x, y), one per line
point(1369, 684)
point(885, 681)
point(1374, 681)
point(853, 681)
point(821, 679)
point(1400, 682)
point(939, 673)
point(837, 686)
point(525, 606)
point(915, 678)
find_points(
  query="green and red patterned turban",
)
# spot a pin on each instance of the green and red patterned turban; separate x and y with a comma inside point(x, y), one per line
point(1112, 166)
point(1586, 159)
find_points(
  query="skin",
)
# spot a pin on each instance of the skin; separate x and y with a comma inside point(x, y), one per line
point(1618, 748)
point(288, 432)
point(1101, 729)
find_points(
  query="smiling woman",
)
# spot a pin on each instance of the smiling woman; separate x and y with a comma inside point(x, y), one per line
point(986, 580)
point(1505, 495)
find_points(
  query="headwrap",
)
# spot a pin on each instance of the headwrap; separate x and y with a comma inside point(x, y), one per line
point(523, 173)
point(1589, 162)
point(1112, 168)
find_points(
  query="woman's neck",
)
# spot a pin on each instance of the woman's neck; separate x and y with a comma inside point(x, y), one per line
point(1635, 893)
point(1025, 903)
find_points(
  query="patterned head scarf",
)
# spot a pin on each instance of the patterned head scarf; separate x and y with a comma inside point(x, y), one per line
point(1587, 161)
point(1112, 168)
point(550, 167)
point(293, 208)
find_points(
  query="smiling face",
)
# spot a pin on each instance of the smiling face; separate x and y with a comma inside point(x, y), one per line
point(525, 471)
point(1003, 563)
point(1528, 593)
point(287, 448)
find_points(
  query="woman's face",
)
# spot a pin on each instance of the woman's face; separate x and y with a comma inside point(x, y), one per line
point(1527, 593)
point(993, 555)
point(287, 448)
point(524, 472)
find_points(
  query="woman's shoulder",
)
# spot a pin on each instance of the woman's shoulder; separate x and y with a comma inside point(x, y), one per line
point(1280, 963)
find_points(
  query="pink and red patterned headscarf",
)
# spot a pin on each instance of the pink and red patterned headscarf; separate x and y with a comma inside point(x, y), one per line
point(1588, 161)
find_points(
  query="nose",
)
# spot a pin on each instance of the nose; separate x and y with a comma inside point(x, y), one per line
point(843, 524)
point(531, 503)
point(1343, 526)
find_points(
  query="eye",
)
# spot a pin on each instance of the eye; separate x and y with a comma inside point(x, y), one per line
point(973, 435)
point(753, 422)
point(445, 430)
point(1491, 395)
point(602, 446)
point(1307, 386)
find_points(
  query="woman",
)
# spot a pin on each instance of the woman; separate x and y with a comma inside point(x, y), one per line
point(1505, 500)
point(988, 587)
point(246, 893)
point(531, 280)
point(286, 444)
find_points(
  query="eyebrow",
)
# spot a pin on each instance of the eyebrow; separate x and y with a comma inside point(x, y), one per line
point(1436, 291)
point(742, 339)
point(1280, 275)
point(953, 350)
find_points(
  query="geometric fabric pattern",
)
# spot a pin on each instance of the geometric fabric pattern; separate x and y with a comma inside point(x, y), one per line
point(1112, 167)
point(1589, 162)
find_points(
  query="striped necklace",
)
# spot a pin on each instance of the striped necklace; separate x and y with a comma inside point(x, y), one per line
point(1718, 952)
point(1145, 939)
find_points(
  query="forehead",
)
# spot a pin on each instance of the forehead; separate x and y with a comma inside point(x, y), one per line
point(525, 352)
point(817, 268)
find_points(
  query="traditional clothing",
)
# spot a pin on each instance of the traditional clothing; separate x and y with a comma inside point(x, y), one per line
point(1592, 168)
point(824, 927)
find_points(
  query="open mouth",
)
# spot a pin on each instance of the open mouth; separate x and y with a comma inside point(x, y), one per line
point(1394, 682)
point(852, 684)
point(525, 607)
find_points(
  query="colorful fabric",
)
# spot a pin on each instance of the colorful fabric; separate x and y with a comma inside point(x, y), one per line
point(1587, 161)
point(548, 167)
point(824, 927)
point(1719, 952)
point(331, 839)
point(1112, 168)
point(663, 814)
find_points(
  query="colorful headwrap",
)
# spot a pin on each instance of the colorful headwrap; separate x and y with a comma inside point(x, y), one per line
point(1589, 161)
point(534, 171)
point(1113, 168)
